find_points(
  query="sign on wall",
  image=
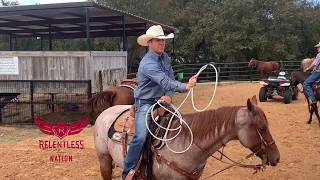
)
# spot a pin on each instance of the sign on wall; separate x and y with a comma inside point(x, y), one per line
point(9, 66)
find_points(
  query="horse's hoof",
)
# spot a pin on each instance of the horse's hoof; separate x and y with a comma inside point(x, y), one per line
point(309, 122)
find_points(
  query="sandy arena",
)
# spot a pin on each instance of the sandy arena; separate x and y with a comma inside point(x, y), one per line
point(298, 143)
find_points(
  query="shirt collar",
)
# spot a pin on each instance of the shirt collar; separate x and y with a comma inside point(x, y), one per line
point(154, 55)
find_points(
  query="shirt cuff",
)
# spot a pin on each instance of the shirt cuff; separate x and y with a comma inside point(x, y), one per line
point(182, 87)
point(169, 93)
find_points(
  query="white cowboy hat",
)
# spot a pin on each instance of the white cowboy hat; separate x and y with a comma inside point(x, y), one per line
point(318, 45)
point(155, 31)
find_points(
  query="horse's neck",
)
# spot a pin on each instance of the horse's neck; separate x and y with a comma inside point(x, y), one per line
point(202, 148)
point(258, 62)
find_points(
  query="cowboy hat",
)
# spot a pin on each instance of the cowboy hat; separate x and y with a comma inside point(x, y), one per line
point(318, 45)
point(154, 31)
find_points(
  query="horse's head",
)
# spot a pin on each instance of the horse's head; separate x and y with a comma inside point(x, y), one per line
point(252, 62)
point(253, 133)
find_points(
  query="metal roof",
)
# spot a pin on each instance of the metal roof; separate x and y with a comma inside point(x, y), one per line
point(72, 20)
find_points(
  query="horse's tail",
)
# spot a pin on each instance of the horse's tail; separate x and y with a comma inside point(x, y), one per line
point(98, 103)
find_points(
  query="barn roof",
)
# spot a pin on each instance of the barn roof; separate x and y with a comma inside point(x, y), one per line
point(72, 20)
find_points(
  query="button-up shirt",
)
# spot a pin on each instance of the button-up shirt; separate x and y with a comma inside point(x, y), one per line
point(317, 62)
point(156, 77)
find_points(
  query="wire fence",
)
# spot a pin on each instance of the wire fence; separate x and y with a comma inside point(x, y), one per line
point(51, 101)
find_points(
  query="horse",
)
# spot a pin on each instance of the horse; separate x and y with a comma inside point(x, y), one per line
point(299, 76)
point(306, 62)
point(211, 130)
point(264, 67)
point(119, 95)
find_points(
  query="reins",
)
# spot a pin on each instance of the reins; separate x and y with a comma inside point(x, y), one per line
point(258, 167)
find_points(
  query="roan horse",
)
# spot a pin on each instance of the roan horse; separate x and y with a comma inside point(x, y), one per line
point(299, 76)
point(211, 130)
point(264, 67)
point(119, 95)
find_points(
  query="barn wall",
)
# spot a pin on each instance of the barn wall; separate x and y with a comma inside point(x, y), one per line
point(65, 65)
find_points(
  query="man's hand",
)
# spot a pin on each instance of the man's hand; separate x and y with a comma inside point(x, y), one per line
point(192, 82)
point(165, 99)
point(314, 69)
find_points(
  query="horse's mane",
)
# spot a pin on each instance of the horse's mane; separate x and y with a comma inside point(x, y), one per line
point(206, 124)
point(98, 103)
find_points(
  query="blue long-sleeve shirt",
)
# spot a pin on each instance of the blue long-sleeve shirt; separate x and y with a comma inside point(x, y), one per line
point(156, 77)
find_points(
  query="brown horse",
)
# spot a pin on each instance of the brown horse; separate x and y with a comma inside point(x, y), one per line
point(119, 95)
point(299, 76)
point(264, 67)
point(211, 130)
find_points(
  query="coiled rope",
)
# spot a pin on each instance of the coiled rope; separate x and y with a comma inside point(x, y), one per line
point(178, 114)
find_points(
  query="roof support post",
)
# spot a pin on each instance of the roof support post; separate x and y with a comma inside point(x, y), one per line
point(145, 30)
point(41, 44)
point(173, 46)
point(15, 44)
point(124, 34)
point(50, 38)
point(10, 42)
point(88, 29)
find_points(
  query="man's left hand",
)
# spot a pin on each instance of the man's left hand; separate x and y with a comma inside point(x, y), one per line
point(166, 99)
point(314, 69)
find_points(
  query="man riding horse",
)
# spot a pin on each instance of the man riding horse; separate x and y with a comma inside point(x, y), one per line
point(313, 77)
point(155, 80)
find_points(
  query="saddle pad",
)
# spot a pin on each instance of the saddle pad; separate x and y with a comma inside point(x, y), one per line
point(123, 122)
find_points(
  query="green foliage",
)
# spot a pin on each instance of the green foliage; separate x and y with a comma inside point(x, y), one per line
point(9, 3)
point(216, 30)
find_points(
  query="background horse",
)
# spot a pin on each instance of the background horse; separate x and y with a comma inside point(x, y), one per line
point(264, 67)
point(299, 76)
point(119, 95)
point(211, 130)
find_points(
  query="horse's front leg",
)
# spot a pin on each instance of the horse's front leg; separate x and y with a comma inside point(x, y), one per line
point(311, 111)
point(317, 113)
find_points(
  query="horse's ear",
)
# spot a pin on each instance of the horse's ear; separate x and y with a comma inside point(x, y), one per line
point(250, 105)
point(254, 100)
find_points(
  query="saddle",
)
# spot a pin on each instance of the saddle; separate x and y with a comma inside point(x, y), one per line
point(122, 130)
point(130, 83)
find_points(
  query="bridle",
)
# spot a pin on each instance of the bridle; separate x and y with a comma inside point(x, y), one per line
point(263, 145)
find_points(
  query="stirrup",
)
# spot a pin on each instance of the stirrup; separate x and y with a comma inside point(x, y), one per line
point(130, 174)
point(312, 103)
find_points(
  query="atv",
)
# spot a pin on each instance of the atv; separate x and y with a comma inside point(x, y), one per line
point(277, 86)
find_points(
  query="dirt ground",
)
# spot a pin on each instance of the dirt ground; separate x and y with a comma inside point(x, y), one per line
point(298, 143)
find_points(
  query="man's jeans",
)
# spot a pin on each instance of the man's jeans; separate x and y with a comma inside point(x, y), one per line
point(140, 134)
point(307, 84)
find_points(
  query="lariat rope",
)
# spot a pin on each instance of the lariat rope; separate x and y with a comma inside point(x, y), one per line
point(178, 114)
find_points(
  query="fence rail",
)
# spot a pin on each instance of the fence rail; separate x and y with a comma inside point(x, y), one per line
point(235, 71)
point(52, 100)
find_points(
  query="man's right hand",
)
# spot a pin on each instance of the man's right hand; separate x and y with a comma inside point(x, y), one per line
point(192, 82)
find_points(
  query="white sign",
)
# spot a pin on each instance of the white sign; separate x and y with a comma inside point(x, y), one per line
point(9, 66)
